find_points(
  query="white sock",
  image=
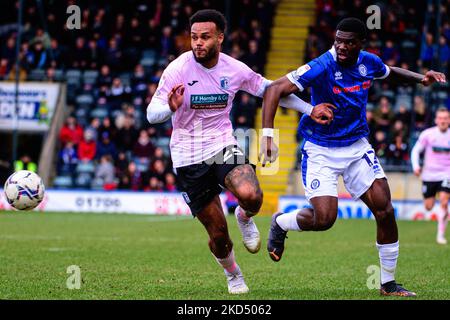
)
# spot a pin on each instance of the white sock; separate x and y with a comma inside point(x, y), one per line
point(288, 221)
point(228, 263)
point(388, 254)
point(442, 223)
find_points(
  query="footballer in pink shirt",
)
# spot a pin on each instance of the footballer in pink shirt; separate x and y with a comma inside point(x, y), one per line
point(196, 91)
point(435, 171)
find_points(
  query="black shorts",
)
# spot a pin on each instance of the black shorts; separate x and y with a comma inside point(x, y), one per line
point(430, 188)
point(199, 183)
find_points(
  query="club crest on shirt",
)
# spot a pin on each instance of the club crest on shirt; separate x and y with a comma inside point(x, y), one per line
point(362, 70)
point(224, 83)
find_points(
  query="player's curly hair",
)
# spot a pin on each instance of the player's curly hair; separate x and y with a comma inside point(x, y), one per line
point(353, 25)
point(210, 15)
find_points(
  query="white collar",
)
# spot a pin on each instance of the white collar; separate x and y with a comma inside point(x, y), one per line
point(334, 54)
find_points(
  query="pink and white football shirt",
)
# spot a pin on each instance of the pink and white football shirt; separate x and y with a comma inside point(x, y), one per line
point(436, 144)
point(202, 126)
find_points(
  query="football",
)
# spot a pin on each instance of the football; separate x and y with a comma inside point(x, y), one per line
point(24, 190)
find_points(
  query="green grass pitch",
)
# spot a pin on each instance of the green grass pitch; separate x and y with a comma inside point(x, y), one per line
point(162, 257)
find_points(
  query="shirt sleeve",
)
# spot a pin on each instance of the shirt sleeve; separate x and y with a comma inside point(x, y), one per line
point(158, 110)
point(253, 83)
point(380, 70)
point(419, 147)
point(305, 76)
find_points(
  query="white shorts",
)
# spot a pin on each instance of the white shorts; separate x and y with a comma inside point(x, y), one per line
point(322, 166)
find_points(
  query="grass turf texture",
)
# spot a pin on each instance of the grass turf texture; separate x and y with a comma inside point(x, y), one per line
point(161, 257)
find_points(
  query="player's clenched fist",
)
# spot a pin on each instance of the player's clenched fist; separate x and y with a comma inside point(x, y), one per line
point(323, 113)
point(175, 97)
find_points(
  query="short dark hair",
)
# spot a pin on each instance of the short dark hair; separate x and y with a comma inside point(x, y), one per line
point(210, 15)
point(353, 25)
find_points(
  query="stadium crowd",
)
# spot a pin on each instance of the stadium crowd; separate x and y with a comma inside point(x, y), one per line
point(396, 114)
point(112, 66)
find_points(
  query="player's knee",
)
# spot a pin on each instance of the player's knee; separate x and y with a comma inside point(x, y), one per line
point(251, 199)
point(323, 224)
point(385, 214)
point(429, 206)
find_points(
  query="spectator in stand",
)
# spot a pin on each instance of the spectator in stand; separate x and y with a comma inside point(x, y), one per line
point(105, 78)
point(398, 151)
point(94, 55)
point(25, 163)
point(167, 43)
point(170, 182)
point(390, 54)
point(118, 94)
point(38, 57)
point(93, 128)
point(404, 115)
point(154, 184)
point(59, 55)
point(105, 173)
point(106, 147)
point(421, 115)
point(254, 58)
point(159, 155)
point(67, 160)
point(3, 68)
point(444, 54)
point(427, 53)
point(121, 164)
point(109, 127)
point(71, 132)
point(139, 81)
point(398, 129)
point(127, 135)
point(113, 55)
point(132, 178)
point(143, 148)
point(80, 55)
point(383, 115)
point(9, 51)
point(244, 112)
point(158, 170)
point(380, 145)
point(87, 148)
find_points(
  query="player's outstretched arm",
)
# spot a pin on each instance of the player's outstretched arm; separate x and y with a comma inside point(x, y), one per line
point(418, 148)
point(400, 76)
point(272, 95)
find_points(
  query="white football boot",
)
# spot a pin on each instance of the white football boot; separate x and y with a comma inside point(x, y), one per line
point(250, 233)
point(441, 240)
point(236, 283)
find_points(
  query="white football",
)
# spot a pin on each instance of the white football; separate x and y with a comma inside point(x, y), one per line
point(24, 190)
